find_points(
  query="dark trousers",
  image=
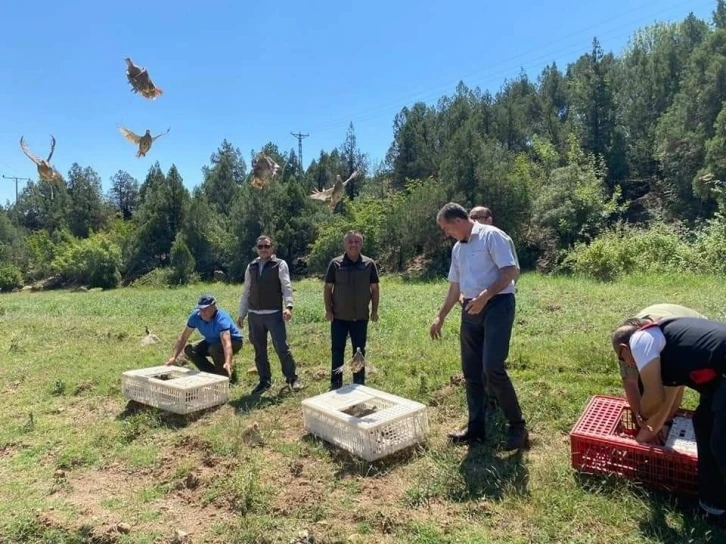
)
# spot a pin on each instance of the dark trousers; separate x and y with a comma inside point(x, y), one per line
point(709, 425)
point(198, 352)
point(484, 341)
point(339, 331)
point(260, 325)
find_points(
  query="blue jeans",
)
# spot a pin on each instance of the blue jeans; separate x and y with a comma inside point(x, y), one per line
point(259, 326)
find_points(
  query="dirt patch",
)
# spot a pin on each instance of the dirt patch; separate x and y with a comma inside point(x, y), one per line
point(107, 500)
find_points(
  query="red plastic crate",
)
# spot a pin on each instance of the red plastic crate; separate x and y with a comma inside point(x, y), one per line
point(601, 442)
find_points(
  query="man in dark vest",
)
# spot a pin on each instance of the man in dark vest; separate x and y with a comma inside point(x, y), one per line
point(691, 352)
point(351, 285)
point(267, 285)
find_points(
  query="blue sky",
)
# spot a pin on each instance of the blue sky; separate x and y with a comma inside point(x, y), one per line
point(255, 72)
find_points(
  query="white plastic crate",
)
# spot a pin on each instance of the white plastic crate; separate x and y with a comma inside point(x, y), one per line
point(395, 424)
point(175, 389)
point(681, 437)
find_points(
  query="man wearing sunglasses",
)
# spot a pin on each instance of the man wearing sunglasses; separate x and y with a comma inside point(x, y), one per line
point(267, 285)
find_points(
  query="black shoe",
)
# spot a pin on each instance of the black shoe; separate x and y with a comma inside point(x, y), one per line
point(261, 388)
point(465, 437)
point(517, 438)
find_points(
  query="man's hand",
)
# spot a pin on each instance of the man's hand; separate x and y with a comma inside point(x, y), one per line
point(374, 316)
point(461, 300)
point(435, 330)
point(286, 315)
point(241, 322)
point(228, 368)
point(476, 305)
point(170, 361)
point(328, 315)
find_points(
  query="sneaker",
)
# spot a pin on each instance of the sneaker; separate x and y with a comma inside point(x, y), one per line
point(295, 385)
point(261, 388)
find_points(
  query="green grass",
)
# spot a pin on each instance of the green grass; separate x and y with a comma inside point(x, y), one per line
point(74, 463)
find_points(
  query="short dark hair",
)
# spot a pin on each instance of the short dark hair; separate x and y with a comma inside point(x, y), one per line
point(482, 212)
point(451, 211)
point(265, 237)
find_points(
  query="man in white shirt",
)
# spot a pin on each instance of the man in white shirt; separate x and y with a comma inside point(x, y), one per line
point(266, 285)
point(483, 268)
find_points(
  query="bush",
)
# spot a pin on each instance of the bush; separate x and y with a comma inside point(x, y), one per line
point(10, 277)
point(158, 277)
point(94, 261)
point(624, 250)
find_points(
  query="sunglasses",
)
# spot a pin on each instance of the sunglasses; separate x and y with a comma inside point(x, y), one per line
point(263, 246)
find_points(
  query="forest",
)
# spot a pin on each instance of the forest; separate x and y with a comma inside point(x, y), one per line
point(610, 165)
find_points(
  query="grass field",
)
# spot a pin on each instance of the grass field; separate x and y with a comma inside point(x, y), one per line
point(74, 463)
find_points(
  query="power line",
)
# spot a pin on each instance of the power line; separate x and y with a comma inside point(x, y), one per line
point(16, 179)
point(300, 137)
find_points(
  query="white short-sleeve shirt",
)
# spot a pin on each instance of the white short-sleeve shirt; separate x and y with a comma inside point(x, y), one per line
point(646, 345)
point(475, 263)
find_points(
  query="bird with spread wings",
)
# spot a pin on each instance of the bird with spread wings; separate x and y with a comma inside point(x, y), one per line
point(144, 142)
point(45, 170)
point(334, 193)
point(141, 81)
point(264, 169)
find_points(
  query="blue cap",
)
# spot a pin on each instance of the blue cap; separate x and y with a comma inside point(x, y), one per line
point(204, 301)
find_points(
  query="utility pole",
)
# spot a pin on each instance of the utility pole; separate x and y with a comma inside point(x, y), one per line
point(16, 184)
point(300, 137)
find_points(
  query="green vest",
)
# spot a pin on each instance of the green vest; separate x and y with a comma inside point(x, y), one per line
point(265, 289)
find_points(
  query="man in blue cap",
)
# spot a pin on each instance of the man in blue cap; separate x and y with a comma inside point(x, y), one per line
point(222, 339)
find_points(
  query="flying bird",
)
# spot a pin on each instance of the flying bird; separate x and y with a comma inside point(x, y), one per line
point(144, 142)
point(45, 170)
point(334, 193)
point(356, 364)
point(141, 81)
point(264, 169)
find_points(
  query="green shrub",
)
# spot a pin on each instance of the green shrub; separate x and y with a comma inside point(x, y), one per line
point(625, 250)
point(10, 277)
point(94, 261)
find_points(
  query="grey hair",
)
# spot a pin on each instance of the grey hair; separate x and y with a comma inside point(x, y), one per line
point(451, 211)
point(623, 333)
point(353, 233)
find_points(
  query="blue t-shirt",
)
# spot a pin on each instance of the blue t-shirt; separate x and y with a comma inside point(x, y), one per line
point(211, 330)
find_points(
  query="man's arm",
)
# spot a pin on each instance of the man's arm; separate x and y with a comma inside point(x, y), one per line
point(656, 419)
point(284, 274)
point(452, 298)
point(179, 345)
point(375, 289)
point(328, 298)
point(243, 303)
point(328, 291)
point(507, 274)
point(226, 338)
